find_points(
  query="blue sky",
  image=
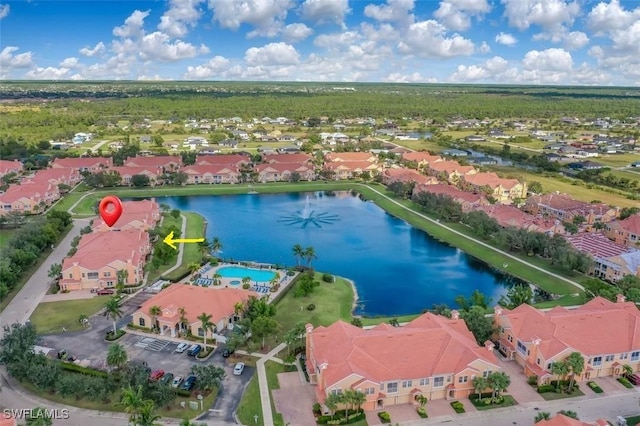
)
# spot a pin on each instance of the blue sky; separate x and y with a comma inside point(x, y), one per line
point(578, 42)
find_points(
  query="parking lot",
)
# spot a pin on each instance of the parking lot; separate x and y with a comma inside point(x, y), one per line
point(90, 349)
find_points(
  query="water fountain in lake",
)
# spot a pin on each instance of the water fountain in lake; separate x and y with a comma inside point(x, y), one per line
point(307, 216)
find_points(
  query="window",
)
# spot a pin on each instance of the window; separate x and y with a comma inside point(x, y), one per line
point(392, 387)
point(107, 274)
point(337, 391)
point(381, 386)
point(597, 360)
point(624, 355)
point(438, 382)
point(70, 276)
point(510, 338)
point(549, 366)
point(521, 347)
point(92, 275)
point(109, 283)
point(538, 361)
point(369, 391)
point(463, 379)
point(424, 382)
point(200, 332)
point(608, 358)
point(635, 356)
point(407, 383)
point(486, 373)
point(141, 322)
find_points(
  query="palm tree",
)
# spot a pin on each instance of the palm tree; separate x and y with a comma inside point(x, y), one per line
point(122, 276)
point(145, 415)
point(360, 398)
point(576, 363)
point(205, 247)
point(499, 382)
point(480, 383)
point(205, 325)
point(331, 401)
point(422, 400)
point(186, 422)
point(627, 370)
point(132, 401)
point(184, 322)
point(543, 415)
point(238, 308)
point(216, 279)
point(155, 311)
point(298, 253)
point(39, 417)
point(193, 267)
point(55, 271)
point(216, 246)
point(561, 369)
point(246, 280)
point(569, 413)
point(113, 311)
point(309, 255)
point(83, 319)
point(347, 399)
point(117, 356)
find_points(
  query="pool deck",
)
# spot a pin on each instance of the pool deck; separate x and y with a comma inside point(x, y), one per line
point(262, 288)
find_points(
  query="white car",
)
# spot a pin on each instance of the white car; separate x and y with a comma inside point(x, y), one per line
point(182, 347)
point(176, 381)
point(238, 369)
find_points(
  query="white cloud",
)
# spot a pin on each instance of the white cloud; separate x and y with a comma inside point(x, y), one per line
point(98, 49)
point(506, 39)
point(182, 15)
point(428, 39)
point(272, 54)
point(575, 40)
point(132, 25)
point(334, 40)
point(485, 71)
point(294, 33)
point(71, 62)
point(456, 14)
point(484, 47)
point(325, 11)
point(267, 16)
point(554, 16)
point(157, 46)
point(214, 67)
point(155, 77)
point(396, 11)
point(548, 60)
point(4, 10)
point(48, 73)
point(9, 61)
point(611, 16)
point(416, 77)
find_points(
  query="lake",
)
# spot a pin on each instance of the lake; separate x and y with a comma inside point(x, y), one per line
point(397, 269)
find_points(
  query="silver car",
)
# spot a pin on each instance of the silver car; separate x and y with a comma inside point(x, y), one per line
point(238, 369)
point(182, 347)
point(176, 381)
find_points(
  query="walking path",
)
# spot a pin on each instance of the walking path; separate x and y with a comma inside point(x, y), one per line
point(98, 145)
point(183, 231)
point(481, 243)
point(265, 397)
point(70, 209)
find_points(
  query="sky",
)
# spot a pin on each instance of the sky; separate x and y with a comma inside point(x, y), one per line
point(560, 42)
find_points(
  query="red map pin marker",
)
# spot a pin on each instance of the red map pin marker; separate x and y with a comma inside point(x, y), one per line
point(110, 209)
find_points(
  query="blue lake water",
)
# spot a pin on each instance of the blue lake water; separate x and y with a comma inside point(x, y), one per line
point(397, 268)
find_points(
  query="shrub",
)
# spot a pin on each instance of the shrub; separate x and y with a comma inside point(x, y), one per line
point(317, 409)
point(625, 382)
point(327, 278)
point(532, 380)
point(546, 388)
point(246, 286)
point(311, 307)
point(138, 327)
point(203, 354)
point(594, 387)
point(384, 417)
point(457, 406)
point(110, 337)
point(83, 370)
point(422, 412)
point(339, 419)
point(182, 392)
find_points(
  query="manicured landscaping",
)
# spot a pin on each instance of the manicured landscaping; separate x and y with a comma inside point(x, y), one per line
point(553, 395)
point(111, 338)
point(273, 369)
point(192, 252)
point(594, 387)
point(633, 421)
point(384, 417)
point(250, 404)
point(625, 382)
point(457, 406)
point(52, 317)
point(485, 402)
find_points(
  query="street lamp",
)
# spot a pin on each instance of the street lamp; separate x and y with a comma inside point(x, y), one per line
point(200, 398)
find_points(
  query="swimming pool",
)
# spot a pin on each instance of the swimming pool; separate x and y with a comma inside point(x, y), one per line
point(235, 282)
point(260, 275)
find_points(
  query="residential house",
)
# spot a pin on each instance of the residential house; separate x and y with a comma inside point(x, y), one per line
point(562, 420)
point(454, 153)
point(100, 255)
point(342, 157)
point(240, 134)
point(565, 208)
point(536, 339)
point(509, 216)
point(145, 139)
point(297, 158)
point(421, 158)
point(83, 164)
point(28, 197)
point(626, 231)
point(467, 200)
point(617, 267)
point(214, 173)
point(223, 159)
point(504, 191)
point(283, 172)
point(143, 215)
point(182, 304)
point(440, 358)
point(127, 173)
point(604, 253)
point(449, 171)
point(162, 162)
point(350, 169)
point(56, 177)
point(405, 175)
point(7, 167)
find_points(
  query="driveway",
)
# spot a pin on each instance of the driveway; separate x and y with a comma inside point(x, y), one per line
point(400, 414)
point(294, 400)
point(519, 389)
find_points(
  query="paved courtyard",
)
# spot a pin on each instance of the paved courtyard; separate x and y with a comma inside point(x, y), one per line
point(519, 389)
point(294, 400)
point(399, 414)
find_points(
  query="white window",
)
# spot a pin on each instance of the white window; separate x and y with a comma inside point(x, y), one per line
point(597, 360)
point(369, 391)
point(486, 373)
point(635, 356)
point(438, 382)
point(608, 358)
point(624, 355)
point(521, 347)
point(92, 275)
point(424, 382)
point(392, 387)
point(337, 391)
point(463, 379)
point(407, 383)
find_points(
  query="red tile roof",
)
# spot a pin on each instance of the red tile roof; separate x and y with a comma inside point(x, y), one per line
point(491, 180)
point(196, 300)
point(36, 191)
point(132, 171)
point(82, 162)
point(214, 169)
point(56, 176)
point(7, 166)
point(511, 216)
point(450, 167)
point(562, 420)
point(222, 159)
point(283, 167)
point(155, 162)
point(563, 202)
point(421, 156)
point(351, 166)
point(586, 329)
point(97, 250)
point(350, 157)
point(286, 158)
point(446, 346)
point(408, 175)
point(143, 210)
point(596, 244)
point(631, 224)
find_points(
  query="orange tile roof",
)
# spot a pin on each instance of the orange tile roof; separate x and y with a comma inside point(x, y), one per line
point(286, 158)
point(214, 169)
point(596, 245)
point(143, 210)
point(35, 191)
point(450, 167)
point(222, 159)
point(586, 329)
point(124, 171)
point(631, 224)
point(156, 162)
point(511, 216)
point(563, 202)
point(82, 162)
point(56, 175)
point(408, 175)
point(491, 180)
point(351, 165)
point(283, 167)
point(421, 156)
point(7, 166)
point(98, 249)
point(195, 300)
point(562, 420)
point(350, 157)
point(447, 346)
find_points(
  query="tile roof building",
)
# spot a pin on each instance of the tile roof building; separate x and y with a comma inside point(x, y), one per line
point(143, 214)
point(626, 231)
point(283, 172)
point(128, 172)
point(565, 208)
point(562, 420)
point(350, 169)
point(536, 339)
point(401, 174)
point(509, 216)
point(299, 158)
point(421, 158)
point(7, 167)
point(467, 200)
point(505, 191)
point(188, 302)
point(223, 159)
point(83, 164)
point(161, 162)
point(611, 261)
point(433, 356)
point(449, 171)
point(350, 157)
point(29, 197)
point(212, 173)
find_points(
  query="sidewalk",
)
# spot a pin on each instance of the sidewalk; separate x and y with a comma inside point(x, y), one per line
point(265, 396)
point(73, 295)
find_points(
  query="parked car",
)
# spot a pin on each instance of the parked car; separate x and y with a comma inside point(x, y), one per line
point(634, 379)
point(182, 347)
point(238, 369)
point(156, 375)
point(189, 383)
point(176, 381)
point(167, 379)
point(194, 350)
point(104, 291)
point(227, 352)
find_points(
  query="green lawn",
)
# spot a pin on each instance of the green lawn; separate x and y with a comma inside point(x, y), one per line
point(250, 404)
point(552, 396)
point(50, 317)
point(273, 369)
point(5, 236)
point(508, 402)
point(192, 253)
point(633, 421)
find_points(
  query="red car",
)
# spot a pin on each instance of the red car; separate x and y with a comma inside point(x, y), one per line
point(156, 375)
point(104, 291)
point(634, 379)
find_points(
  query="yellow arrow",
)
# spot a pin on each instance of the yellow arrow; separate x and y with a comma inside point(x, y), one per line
point(170, 241)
